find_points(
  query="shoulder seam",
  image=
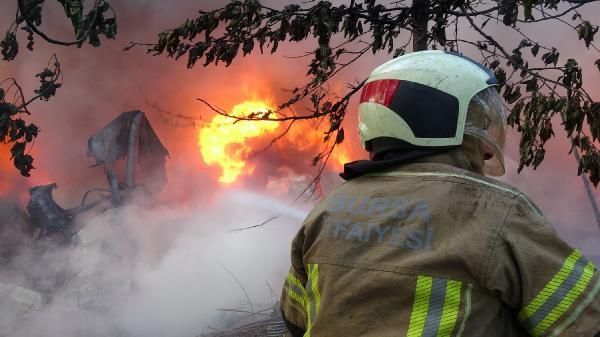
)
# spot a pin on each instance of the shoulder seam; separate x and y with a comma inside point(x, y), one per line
point(493, 245)
point(495, 187)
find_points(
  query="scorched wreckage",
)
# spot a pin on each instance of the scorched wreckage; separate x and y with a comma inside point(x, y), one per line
point(128, 137)
point(127, 149)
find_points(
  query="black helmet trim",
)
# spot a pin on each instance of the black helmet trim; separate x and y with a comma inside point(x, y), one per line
point(429, 112)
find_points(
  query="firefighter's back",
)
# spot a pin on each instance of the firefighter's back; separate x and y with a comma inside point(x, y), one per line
point(414, 252)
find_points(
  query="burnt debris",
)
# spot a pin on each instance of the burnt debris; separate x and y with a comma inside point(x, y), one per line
point(130, 137)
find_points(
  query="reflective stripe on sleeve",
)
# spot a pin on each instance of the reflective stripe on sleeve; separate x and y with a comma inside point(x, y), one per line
point(420, 306)
point(558, 296)
point(295, 290)
point(313, 297)
point(435, 308)
point(451, 307)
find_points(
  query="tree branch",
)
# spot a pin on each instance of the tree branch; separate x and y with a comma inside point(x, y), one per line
point(33, 27)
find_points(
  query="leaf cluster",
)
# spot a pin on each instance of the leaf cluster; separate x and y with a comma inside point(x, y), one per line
point(247, 25)
point(98, 21)
point(13, 105)
point(88, 26)
point(535, 95)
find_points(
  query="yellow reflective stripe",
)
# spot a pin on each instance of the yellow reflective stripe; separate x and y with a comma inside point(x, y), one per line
point(296, 297)
point(292, 279)
point(315, 286)
point(551, 287)
point(313, 296)
point(420, 306)
point(566, 302)
point(436, 307)
point(295, 289)
point(454, 175)
point(451, 307)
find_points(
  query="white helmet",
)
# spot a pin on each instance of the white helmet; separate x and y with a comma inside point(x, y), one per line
point(430, 99)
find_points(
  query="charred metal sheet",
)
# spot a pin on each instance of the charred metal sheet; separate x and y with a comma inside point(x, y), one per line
point(130, 136)
point(45, 214)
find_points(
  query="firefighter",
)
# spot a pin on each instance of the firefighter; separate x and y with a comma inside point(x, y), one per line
point(419, 241)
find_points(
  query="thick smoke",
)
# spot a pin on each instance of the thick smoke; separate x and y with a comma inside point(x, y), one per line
point(161, 272)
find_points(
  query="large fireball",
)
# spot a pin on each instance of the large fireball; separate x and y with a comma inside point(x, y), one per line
point(224, 143)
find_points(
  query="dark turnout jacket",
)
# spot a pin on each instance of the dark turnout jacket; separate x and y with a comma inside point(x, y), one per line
point(431, 249)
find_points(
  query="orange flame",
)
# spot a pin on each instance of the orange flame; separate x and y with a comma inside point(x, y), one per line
point(340, 157)
point(224, 143)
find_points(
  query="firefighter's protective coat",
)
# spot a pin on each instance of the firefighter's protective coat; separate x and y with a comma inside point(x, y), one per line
point(432, 249)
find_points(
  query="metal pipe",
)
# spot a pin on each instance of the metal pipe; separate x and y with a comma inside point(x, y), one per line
point(114, 185)
point(132, 152)
point(588, 189)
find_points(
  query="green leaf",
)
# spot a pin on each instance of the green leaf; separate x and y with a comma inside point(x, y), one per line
point(9, 46)
point(315, 160)
point(586, 32)
point(340, 136)
point(74, 11)
point(539, 157)
point(400, 51)
point(551, 57)
point(527, 7)
point(531, 85)
point(535, 49)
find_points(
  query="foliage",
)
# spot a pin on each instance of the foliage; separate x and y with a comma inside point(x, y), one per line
point(535, 82)
point(13, 105)
point(87, 27)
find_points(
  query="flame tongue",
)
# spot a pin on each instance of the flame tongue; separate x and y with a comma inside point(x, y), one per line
point(227, 144)
point(224, 143)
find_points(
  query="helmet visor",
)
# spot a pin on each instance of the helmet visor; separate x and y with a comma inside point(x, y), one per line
point(486, 120)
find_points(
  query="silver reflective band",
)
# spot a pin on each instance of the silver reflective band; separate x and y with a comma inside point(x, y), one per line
point(436, 306)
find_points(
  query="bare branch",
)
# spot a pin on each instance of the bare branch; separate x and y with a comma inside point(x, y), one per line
point(240, 284)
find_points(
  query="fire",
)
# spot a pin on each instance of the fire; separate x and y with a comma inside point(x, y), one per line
point(227, 144)
point(340, 157)
point(224, 143)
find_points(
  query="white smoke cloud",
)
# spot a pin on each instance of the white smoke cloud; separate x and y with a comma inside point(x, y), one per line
point(167, 271)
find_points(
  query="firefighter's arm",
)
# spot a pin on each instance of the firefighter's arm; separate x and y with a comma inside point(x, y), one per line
point(552, 288)
point(293, 296)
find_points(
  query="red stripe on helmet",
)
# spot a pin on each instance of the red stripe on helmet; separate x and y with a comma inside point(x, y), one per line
point(379, 91)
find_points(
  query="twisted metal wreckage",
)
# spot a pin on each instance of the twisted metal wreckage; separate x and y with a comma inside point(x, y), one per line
point(129, 137)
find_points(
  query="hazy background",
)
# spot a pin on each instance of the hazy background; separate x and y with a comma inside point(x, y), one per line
point(181, 248)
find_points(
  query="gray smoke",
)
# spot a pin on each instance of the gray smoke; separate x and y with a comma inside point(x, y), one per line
point(160, 272)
